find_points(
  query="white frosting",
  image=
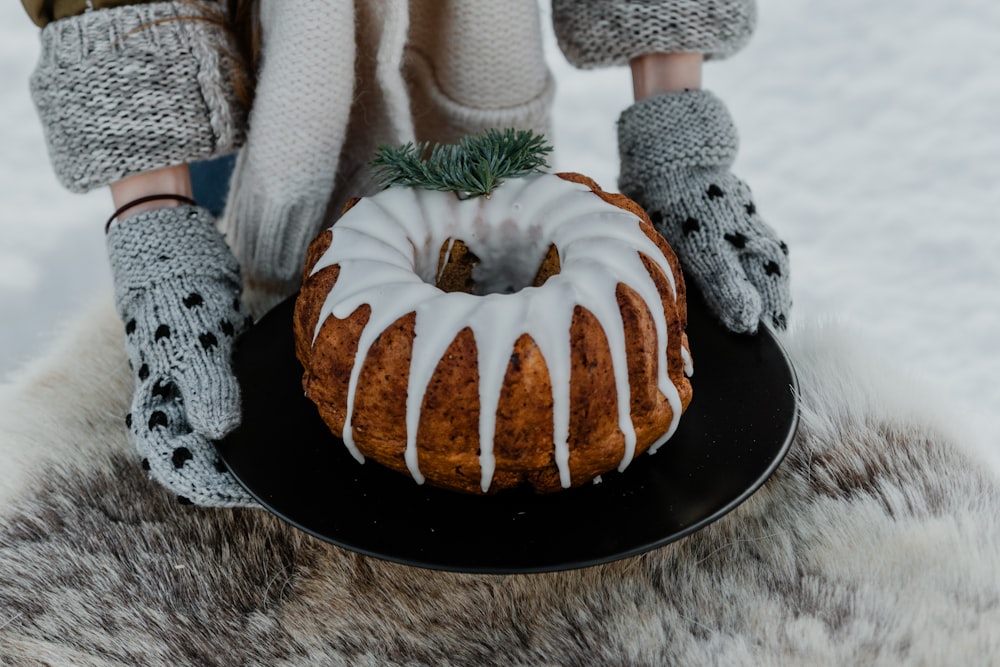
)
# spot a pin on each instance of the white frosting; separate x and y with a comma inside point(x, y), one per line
point(688, 363)
point(444, 262)
point(388, 247)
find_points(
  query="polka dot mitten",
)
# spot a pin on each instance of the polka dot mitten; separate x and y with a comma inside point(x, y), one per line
point(177, 289)
point(676, 150)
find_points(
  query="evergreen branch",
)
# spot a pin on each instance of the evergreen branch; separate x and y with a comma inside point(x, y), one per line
point(473, 167)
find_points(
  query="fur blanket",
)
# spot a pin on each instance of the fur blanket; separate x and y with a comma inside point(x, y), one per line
point(875, 543)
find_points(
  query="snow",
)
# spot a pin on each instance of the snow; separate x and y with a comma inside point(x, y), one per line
point(869, 135)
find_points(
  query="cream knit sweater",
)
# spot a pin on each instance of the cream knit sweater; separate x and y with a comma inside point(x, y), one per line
point(338, 78)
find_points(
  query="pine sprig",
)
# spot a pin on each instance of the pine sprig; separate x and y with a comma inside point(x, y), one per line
point(473, 167)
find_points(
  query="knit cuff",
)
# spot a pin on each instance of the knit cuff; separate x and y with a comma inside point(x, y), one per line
point(268, 232)
point(125, 90)
point(661, 134)
point(438, 116)
point(165, 244)
point(602, 33)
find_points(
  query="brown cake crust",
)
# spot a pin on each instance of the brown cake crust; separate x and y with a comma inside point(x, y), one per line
point(448, 433)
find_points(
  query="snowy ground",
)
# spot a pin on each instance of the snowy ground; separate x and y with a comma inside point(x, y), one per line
point(870, 136)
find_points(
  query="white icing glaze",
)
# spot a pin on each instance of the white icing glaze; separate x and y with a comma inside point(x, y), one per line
point(688, 363)
point(388, 247)
point(444, 262)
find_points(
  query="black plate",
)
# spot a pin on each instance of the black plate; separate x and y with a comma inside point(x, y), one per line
point(738, 428)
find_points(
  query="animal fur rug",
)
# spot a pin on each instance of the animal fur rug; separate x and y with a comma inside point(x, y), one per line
point(877, 542)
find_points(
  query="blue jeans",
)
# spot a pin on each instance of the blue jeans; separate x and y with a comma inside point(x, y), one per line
point(210, 182)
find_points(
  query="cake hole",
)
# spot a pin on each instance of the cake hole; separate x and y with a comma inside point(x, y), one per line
point(455, 267)
point(503, 271)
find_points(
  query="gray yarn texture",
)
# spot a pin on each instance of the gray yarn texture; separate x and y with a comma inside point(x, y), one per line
point(605, 33)
point(129, 89)
point(676, 150)
point(177, 289)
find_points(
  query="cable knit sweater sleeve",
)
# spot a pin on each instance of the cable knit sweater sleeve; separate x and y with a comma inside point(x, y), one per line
point(128, 89)
point(284, 176)
point(603, 33)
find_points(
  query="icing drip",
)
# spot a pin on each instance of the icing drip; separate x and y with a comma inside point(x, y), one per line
point(688, 363)
point(388, 248)
point(444, 262)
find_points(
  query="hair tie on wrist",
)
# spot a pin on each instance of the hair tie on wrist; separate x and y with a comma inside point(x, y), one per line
point(143, 200)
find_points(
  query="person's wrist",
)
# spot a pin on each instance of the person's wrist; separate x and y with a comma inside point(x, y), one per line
point(658, 73)
point(142, 190)
point(147, 204)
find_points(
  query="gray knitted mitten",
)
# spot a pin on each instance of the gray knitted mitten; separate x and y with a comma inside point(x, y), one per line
point(676, 150)
point(177, 289)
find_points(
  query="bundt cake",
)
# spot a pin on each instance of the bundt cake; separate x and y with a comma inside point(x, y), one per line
point(533, 337)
